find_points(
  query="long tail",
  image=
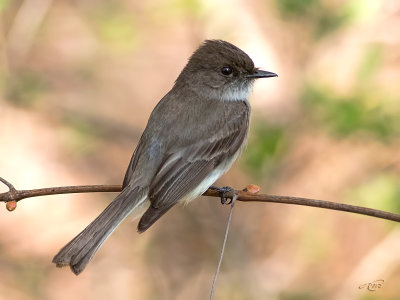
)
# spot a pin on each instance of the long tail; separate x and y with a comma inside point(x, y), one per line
point(78, 252)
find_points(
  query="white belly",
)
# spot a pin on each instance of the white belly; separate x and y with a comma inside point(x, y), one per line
point(210, 179)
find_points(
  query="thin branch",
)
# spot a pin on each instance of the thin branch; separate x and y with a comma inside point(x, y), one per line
point(8, 184)
point(22, 194)
point(17, 195)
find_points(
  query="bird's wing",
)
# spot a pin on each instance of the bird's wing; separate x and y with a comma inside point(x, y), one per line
point(182, 172)
point(132, 164)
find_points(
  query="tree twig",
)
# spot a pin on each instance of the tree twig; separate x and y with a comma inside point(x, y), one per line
point(17, 195)
point(8, 184)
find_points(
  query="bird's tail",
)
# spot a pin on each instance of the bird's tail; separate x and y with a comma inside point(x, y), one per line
point(78, 252)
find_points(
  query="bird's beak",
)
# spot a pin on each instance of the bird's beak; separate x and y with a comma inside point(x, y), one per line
point(261, 74)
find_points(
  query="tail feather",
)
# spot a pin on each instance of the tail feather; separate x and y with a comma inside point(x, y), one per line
point(151, 215)
point(79, 251)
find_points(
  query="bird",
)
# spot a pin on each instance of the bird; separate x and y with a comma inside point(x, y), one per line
point(193, 136)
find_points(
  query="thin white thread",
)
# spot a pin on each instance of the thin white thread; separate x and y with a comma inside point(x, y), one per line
point(223, 246)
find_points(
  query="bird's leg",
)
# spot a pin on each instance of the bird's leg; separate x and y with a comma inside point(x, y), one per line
point(222, 193)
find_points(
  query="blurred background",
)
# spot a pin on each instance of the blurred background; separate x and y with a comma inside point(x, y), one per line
point(78, 80)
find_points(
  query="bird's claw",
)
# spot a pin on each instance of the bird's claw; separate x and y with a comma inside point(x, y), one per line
point(222, 193)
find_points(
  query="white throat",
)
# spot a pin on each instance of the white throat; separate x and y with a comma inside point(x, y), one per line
point(237, 92)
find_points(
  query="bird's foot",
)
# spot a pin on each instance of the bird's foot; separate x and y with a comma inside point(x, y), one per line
point(222, 193)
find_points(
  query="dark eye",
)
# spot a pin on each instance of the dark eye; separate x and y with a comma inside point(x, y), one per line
point(226, 71)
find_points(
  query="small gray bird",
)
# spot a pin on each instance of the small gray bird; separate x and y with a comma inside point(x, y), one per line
point(193, 136)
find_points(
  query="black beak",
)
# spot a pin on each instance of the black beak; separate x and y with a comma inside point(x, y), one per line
point(261, 74)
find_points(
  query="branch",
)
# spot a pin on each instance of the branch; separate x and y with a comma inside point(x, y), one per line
point(14, 195)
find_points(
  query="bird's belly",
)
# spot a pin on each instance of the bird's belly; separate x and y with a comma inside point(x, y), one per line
point(210, 179)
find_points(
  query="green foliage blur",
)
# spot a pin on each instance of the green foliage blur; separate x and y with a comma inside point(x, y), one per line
point(319, 15)
point(267, 146)
point(24, 88)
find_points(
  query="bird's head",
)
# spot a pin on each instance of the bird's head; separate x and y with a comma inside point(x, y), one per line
point(218, 69)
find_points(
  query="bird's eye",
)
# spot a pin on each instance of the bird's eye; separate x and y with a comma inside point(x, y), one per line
point(226, 71)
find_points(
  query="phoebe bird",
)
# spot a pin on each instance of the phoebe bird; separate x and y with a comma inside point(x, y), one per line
point(193, 136)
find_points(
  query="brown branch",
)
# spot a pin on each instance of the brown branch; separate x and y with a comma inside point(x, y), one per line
point(9, 185)
point(17, 195)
